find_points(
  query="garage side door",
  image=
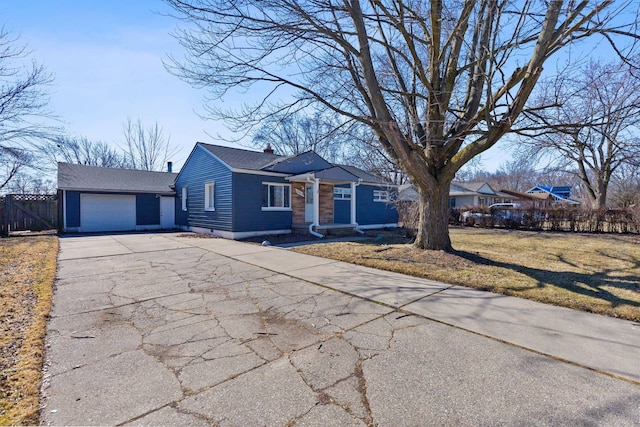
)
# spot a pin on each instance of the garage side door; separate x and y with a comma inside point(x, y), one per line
point(107, 212)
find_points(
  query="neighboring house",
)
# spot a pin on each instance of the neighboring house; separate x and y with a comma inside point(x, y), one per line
point(465, 194)
point(106, 199)
point(479, 194)
point(557, 194)
point(237, 193)
point(543, 196)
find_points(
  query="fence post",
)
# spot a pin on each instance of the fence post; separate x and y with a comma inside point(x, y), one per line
point(7, 215)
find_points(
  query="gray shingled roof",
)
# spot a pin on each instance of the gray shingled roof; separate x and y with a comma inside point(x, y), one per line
point(238, 158)
point(364, 176)
point(92, 178)
point(474, 186)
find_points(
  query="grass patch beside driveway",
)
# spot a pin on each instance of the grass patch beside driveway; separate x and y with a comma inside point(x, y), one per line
point(27, 273)
point(595, 273)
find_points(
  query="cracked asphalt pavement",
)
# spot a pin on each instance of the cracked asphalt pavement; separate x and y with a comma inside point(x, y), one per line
point(162, 329)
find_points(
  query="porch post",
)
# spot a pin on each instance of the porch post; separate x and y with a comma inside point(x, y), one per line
point(316, 201)
point(353, 203)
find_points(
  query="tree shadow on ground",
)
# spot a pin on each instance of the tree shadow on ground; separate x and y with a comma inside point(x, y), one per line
point(593, 285)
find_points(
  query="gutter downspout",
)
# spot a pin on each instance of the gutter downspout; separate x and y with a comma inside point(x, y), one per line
point(313, 233)
point(316, 207)
point(353, 205)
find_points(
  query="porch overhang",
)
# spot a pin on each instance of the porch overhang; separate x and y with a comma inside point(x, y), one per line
point(334, 175)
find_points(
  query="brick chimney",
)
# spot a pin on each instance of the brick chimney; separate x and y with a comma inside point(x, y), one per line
point(268, 149)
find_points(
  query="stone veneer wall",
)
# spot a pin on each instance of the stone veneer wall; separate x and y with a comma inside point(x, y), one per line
point(326, 203)
point(297, 203)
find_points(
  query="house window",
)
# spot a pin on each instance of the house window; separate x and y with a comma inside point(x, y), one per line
point(184, 198)
point(209, 196)
point(452, 202)
point(380, 196)
point(342, 193)
point(276, 196)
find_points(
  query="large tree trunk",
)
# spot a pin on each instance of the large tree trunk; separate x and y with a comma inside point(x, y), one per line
point(600, 201)
point(596, 190)
point(433, 208)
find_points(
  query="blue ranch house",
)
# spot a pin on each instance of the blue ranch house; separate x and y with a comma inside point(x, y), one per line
point(229, 192)
point(237, 193)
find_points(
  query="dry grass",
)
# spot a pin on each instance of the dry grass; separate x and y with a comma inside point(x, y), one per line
point(27, 272)
point(596, 273)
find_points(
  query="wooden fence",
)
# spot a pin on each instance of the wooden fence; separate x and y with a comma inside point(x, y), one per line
point(34, 212)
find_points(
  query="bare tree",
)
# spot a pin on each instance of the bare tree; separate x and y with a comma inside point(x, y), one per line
point(592, 128)
point(30, 183)
point(290, 134)
point(625, 184)
point(23, 108)
point(518, 174)
point(473, 170)
point(146, 148)
point(13, 162)
point(82, 151)
point(438, 82)
point(23, 100)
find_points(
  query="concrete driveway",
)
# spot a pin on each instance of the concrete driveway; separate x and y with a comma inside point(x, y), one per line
point(161, 329)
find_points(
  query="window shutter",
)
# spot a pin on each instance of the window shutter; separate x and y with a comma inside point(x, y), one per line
point(265, 196)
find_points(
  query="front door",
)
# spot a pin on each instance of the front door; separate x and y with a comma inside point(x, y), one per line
point(308, 203)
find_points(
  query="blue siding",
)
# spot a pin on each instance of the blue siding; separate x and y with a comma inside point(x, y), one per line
point(72, 204)
point(342, 208)
point(342, 211)
point(181, 216)
point(147, 209)
point(201, 167)
point(238, 197)
point(369, 212)
point(247, 205)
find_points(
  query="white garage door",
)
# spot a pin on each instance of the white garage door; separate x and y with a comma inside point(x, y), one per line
point(107, 212)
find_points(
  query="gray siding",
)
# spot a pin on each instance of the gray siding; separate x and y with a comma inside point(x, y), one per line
point(201, 167)
point(247, 205)
point(462, 201)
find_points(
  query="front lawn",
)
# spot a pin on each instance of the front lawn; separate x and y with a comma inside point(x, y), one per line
point(27, 273)
point(596, 273)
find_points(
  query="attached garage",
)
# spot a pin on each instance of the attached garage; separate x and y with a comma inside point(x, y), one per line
point(107, 212)
point(96, 199)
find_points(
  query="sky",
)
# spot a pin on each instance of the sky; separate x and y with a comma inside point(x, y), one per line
point(106, 58)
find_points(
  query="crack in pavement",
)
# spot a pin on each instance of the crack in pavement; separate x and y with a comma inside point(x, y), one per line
point(223, 342)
